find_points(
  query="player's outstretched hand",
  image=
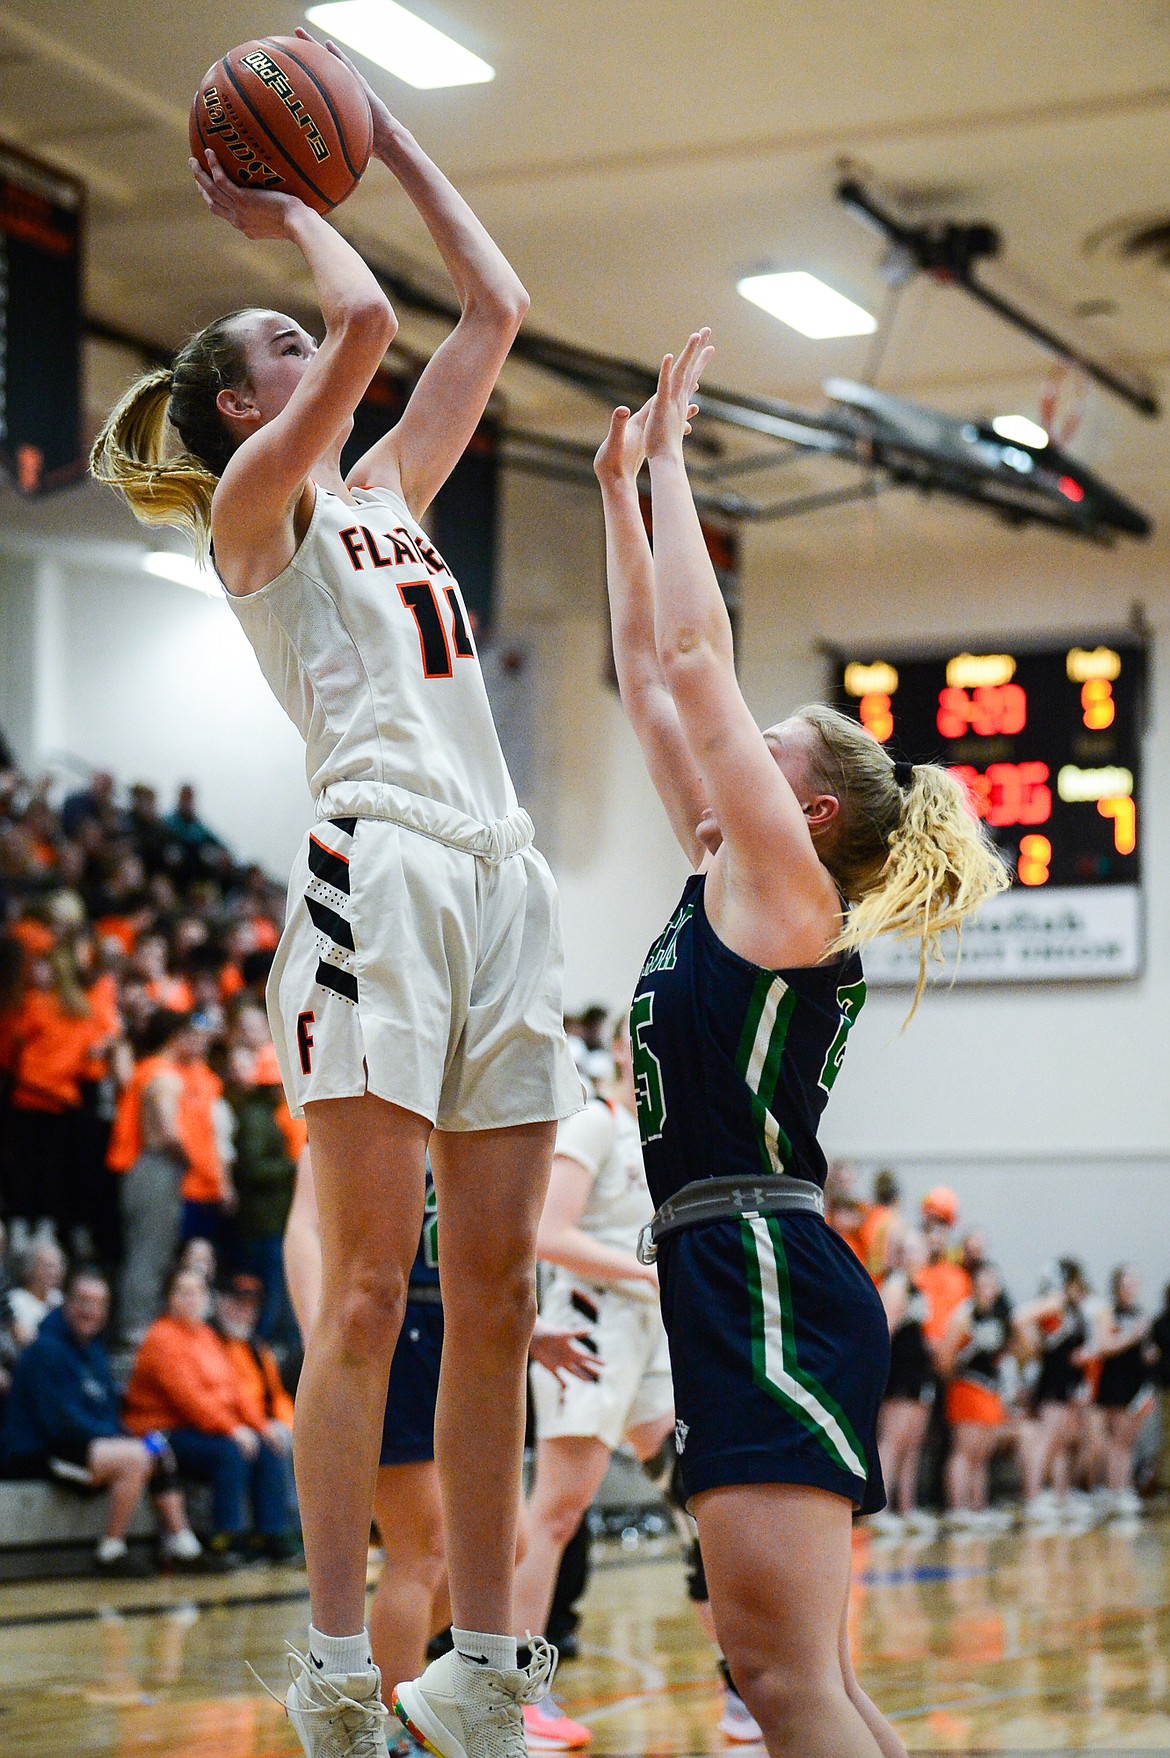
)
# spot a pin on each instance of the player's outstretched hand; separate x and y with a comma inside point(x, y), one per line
point(672, 405)
point(257, 213)
point(386, 125)
point(562, 1352)
point(622, 452)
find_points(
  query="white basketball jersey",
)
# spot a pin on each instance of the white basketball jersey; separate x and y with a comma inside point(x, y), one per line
point(604, 1139)
point(365, 641)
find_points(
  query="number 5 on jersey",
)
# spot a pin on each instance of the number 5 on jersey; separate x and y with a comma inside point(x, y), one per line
point(647, 1071)
point(419, 598)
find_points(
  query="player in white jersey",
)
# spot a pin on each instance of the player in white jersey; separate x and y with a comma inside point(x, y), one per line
point(417, 986)
point(595, 1210)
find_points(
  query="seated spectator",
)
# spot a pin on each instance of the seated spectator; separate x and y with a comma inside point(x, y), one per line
point(9, 1343)
point(199, 1255)
point(202, 851)
point(184, 1384)
point(268, 1405)
point(38, 1289)
point(62, 1420)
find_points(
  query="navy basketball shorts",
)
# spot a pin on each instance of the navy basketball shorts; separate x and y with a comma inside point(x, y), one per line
point(408, 1427)
point(780, 1349)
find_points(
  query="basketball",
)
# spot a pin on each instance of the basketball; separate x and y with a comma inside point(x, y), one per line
point(284, 114)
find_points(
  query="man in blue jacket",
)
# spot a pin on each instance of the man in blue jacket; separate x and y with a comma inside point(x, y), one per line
point(62, 1420)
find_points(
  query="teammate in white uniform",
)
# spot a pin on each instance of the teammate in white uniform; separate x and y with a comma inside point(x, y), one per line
point(417, 986)
point(596, 1207)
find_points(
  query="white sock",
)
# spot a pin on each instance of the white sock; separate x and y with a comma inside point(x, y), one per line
point(183, 1545)
point(110, 1549)
point(341, 1654)
point(482, 1650)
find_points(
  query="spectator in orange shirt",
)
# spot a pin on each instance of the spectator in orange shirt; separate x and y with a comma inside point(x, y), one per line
point(163, 1141)
point(882, 1224)
point(185, 1385)
point(51, 1040)
point(945, 1283)
point(268, 1405)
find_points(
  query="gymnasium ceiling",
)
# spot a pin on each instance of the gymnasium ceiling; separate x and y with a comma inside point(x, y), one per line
point(636, 157)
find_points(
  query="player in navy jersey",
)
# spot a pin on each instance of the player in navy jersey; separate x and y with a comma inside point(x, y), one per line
point(807, 840)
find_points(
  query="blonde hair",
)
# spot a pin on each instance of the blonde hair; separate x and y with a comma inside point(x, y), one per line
point(912, 861)
point(164, 445)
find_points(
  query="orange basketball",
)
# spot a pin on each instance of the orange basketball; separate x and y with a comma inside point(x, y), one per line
point(284, 114)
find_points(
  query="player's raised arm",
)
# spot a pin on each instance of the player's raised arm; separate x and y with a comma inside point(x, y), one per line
point(645, 694)
point(275, 453)
point(419, 453)
point(763, 824)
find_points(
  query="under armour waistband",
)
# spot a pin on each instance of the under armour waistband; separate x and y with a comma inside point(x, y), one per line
point(396, 805)
point(727, 1199)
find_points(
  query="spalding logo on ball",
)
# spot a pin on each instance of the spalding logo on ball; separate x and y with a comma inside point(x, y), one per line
point(284, 114)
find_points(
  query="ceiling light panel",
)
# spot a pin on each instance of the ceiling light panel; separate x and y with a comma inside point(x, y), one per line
point(1019, 429)
point(406, 46)
point(803, 303)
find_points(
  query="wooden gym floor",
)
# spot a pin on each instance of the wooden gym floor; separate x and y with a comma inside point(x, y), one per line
point(1055, 1644)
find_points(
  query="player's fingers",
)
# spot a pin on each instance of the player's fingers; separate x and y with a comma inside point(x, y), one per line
point(664, 376)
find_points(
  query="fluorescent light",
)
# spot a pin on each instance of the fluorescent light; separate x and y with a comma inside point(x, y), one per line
point(184, 570)
point(404, 45)
point(1020, 429)
point(806, 304)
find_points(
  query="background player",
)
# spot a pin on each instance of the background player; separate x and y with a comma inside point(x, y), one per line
point(418, 979)
point(808, 840)
point(596, 1207)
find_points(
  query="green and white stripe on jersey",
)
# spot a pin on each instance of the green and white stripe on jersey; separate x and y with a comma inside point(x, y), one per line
point(775, 1368)
point(761, 1050)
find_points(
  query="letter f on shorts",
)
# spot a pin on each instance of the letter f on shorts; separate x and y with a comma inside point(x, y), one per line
point(305, 1041)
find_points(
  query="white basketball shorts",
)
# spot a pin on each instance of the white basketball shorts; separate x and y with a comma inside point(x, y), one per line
point(424, 974)
point(628, 1336)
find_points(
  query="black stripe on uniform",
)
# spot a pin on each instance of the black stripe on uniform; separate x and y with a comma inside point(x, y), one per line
point(347, 826)
point(333, 868)
point(273, 143)
point(329, 922)
point(281, 49)
point(341, 982)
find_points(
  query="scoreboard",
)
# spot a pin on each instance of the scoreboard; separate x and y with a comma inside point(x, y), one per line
point(41, 214)
point(1047, 744)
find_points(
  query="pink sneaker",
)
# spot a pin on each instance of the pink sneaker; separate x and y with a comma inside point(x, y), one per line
point(548, 1729)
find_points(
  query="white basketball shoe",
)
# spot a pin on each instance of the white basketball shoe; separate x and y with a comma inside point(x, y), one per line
point(336, 1715)
point(460, 1709)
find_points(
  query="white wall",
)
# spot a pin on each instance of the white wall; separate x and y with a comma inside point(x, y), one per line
point(156, 682)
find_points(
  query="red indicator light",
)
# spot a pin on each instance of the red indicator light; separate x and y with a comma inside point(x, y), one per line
point(987, 710)
point(877, 715)
point(1035, 860)
point(1098, 704)
point(1007, 793)
point(1124, 815)
point(1071, 489)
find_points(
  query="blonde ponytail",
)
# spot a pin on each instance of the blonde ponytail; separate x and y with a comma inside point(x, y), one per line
point(164, 445)
point(905, 848)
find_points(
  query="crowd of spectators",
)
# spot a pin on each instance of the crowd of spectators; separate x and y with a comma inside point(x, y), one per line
point(147, 1160)
point(1061, 1403)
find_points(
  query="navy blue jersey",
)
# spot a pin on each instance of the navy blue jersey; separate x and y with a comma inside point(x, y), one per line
point(424, 1271)
point(734, 1063)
